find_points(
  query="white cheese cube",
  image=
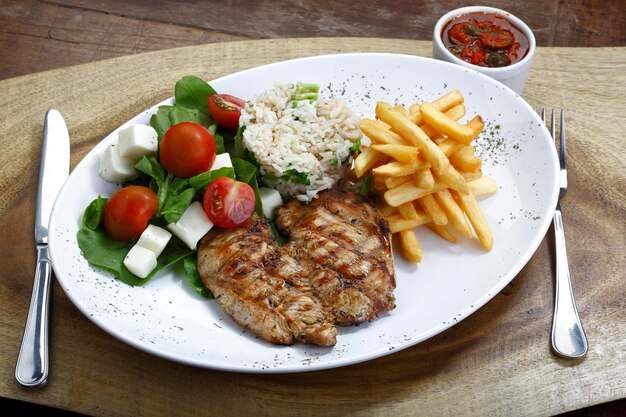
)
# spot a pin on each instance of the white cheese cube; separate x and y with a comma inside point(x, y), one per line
point(140, 261)
point(222, 161)
point(137, 141)
point(192, 225)
point(154, 238)
point(114, 167)
point(271, 199)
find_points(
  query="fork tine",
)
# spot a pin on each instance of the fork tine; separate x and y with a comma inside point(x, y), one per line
point(543, 115)
point(552, 126)
point(562, 140)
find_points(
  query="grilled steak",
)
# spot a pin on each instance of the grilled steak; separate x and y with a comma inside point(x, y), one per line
point(337, 268)
point(237, 266)
point(346, 244)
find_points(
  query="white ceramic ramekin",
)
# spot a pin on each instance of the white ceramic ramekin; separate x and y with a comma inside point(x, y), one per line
point(514, 76)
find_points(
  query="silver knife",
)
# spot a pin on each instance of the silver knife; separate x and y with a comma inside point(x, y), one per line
point(31, 370)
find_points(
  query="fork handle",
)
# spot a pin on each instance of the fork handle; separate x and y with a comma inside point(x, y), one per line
point(568, 337)
point(31, 370)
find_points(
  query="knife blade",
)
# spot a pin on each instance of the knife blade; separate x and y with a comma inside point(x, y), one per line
point(31, 370)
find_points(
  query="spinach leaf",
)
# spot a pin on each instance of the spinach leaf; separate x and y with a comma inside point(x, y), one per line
point(93, 213)
point(158, 178)
point(168, 116)
point(240, 148)
point(219, 143)
point(200, 181)
point(180, 114)
point(176, 203)
point(193, 93)
point(173, 193)
point(244, 170)
point(103, 252)
point(190, 264)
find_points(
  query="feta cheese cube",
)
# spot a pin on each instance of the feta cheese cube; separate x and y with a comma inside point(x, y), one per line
point(114, 167)
point(192, 225)
point(271, 199)
point(140, 261)
point(137, 141)
point(154, 238)
point(222, 161)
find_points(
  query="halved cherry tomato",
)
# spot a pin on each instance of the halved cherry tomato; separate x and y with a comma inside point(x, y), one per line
point(228, 203)
point(225, 110)
point(127, 212)
point(187, 149)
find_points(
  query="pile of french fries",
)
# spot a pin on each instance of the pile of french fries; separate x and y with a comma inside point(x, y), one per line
point(425, 169)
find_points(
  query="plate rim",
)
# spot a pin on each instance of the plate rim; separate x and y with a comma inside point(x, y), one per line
point(339, 362)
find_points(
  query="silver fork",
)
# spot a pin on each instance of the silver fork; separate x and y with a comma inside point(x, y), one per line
point(568, 337)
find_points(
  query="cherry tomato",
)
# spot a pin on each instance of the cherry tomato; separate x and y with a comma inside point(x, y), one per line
point(228, 203)
point(187, 149)
point(127, 212)
point(225, 110)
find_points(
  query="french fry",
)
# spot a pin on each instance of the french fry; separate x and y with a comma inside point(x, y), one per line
point(393, 182)
point(401, 109)
point(432, 208)
point(388, 211)
point(404, 193)
point(424, 178)
point(410, 247)
point(398, 223)
point(482, 186)
point(408, 192)
point(414, 135)
point(450, 146)
point(401, 153)
point(477, 218)
point(398, 169)
point(378, 184)
point(439, 121)
point(465, 159)
point(455, 214)
point(443, 232)
point(456, 112)
point(448, 100)
point(476, 124)
point(454, 180)
point(443, 104)
point(426, 171)
point(379, 132)
point(366, 160)
point(471, 176)
point(407, 211)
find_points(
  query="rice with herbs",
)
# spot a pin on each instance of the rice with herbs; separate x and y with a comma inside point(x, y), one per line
point(301, 146)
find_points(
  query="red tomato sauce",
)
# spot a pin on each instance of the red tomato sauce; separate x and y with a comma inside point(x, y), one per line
point(485, 39)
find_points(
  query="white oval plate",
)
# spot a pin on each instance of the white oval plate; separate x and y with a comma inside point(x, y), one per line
point(167, 319)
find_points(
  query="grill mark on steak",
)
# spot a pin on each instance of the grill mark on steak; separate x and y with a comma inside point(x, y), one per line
point(347, 243)
point(337, 268)
point(232, 265)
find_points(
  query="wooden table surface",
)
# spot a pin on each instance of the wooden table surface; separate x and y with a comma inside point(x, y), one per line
point(495, 362)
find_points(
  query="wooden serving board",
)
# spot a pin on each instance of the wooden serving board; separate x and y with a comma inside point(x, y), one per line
point(497, 361)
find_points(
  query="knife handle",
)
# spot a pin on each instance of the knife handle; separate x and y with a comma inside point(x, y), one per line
point(31, 370)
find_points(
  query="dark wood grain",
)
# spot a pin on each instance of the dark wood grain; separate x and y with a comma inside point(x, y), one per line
point(41, 35)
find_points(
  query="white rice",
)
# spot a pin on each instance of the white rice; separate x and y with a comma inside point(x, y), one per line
point(313, 138)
